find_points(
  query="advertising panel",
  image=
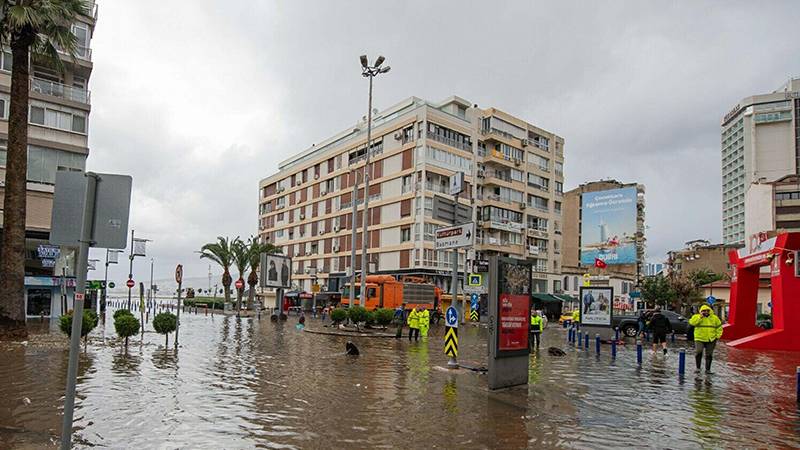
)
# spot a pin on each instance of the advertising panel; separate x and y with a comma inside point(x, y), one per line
point(514, 297)
point(608, 226)
point(596, 305)
point(276, 271)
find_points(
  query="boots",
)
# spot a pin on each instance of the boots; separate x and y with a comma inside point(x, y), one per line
point(708, 363)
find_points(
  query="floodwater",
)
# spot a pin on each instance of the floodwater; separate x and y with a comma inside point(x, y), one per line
point(248, 383)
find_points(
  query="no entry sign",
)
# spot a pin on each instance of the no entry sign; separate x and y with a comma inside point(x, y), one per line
point(239, 284)
point(130, 283)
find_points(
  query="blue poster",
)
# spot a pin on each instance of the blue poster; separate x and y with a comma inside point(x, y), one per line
point(608, 226)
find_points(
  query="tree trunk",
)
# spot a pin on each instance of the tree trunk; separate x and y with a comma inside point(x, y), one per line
point(166, 342)
point(226, 284)
point(252, 280)
point(12, 262)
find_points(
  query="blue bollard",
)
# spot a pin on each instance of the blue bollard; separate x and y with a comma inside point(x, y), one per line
point(639, 353)
point(586, 341)
point(616, 333)
point(565, 323)
point(597, 343)
point(614, 349)
point(579, 339)
point(682, 362)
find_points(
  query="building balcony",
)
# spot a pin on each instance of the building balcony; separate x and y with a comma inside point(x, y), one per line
point(51, 88)
point(451, 142)
point(504, 225)
point(534, 232)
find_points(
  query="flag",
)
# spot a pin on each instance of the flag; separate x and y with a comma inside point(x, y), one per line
point(600, 263)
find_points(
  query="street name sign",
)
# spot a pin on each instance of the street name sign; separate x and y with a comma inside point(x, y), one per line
point(456, 236)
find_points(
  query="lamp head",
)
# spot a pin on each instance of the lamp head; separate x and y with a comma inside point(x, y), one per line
point(385, 69)
point(379, 61)
point(364, 62)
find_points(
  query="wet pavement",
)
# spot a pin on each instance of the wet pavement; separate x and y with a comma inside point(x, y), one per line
point(245, 383)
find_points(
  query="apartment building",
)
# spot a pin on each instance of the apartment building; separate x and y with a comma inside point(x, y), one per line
point(700, 255)
point(773, 206)
point(513, 178)
point(57, 140)
point(760, 143)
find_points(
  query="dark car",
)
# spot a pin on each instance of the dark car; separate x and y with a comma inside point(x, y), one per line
point(629, 324)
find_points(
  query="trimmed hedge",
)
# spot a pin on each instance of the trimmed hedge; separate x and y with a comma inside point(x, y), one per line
point(338, 315)
point(87, 325)
point(211, 303)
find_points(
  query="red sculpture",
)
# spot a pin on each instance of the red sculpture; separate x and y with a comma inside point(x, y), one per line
point(780, 254)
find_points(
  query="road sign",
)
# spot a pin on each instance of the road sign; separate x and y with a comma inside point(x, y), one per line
point(710, 299)
point(239, 284)
point(315, 287)
point(473, 299)
point(473, 315)
point(79, 297)
point(456, 183)
point(130, 283)
point(451, 342)
point(111, 285)
point(179, 273)
point(480, 266)
point(456, 236)
point(451, 317)
point(475, 279)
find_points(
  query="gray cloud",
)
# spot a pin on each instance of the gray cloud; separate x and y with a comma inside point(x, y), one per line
point(198, 100)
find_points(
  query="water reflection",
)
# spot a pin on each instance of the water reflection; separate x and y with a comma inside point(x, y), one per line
point(244, 382)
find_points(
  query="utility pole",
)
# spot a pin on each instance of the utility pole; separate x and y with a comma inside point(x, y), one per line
point(150, 293)
point(130, 270)
point(367, 72)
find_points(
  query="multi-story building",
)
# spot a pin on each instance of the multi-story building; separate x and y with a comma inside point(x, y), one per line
point(57, 140)
point(700, 255)
point(623, 277)
point(513, 178)
point(760, 142)
point(773, 206)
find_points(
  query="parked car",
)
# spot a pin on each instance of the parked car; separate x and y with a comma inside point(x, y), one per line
point(629, 324)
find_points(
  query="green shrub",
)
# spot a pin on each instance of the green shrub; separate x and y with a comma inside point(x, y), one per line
point(338, 315)
point(764, 316)
point(165, 323)
point(122, 312)
point(383, 316)
point(87, 325)
point(370, 320)
point(357, 314)
point(126, 325)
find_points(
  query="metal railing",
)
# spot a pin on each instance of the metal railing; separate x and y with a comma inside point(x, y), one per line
point(59, 90)
point(451, 142)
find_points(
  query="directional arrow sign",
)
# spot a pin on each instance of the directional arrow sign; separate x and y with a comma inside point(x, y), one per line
point(451, 317)
point(451, 342)
point(456, 236)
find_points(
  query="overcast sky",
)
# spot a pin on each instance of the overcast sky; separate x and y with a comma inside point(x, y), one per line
point(198, 99)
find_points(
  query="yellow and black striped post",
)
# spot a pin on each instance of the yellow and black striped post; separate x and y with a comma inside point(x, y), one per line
point(473, 315)
point(451, 342)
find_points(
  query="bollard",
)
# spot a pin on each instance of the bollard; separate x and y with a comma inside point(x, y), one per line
point(614, 349)
point(586, 340)
point(565, 323)
point(798, 384)
point(682, 362)
point(569, 334)
point(597, 344)
point(673, 337)
point(205, 309)
point(639, 353)
point(579, 340)
point(616, 333)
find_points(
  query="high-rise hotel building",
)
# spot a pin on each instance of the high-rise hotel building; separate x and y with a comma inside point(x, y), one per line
point(760, 144)
point(514, 181)
point(58, 118)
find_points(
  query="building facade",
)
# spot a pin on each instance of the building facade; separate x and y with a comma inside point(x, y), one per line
point(513, 179)
point(760, 143)
point(700, 255)
point(773, 206)
point(58, 118)
point(623, 277)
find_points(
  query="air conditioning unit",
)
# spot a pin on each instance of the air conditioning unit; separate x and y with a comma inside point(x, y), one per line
point(481, 174)
point(280, 206)
point(321, 230)
point(308, 270)
point(398, 136)
point(335, 228)
point(522, 206)
point(302, 216)
point(316, 176)
point(517, 162)
point(323, 191)
point(281, 189)
point(526, 142)
point(336, 247)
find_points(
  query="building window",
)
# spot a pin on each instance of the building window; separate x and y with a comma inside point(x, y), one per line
point(58, 117)
point(44, 162)
point(559, 187)
point(405, 234)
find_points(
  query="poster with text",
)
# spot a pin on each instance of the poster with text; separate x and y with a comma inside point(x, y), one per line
point(596, 305)
point(514, 319)
point(608, 226)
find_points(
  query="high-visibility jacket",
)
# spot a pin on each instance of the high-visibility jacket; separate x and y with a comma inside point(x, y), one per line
point(537, 324)
point(706, 329)
point(576, 316)
point(424, 318)
point(413, 318)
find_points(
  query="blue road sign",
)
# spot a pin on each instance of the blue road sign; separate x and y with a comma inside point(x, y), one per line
point(769, 305)
point(451, 317)
point(473, 300)
point(710, 300)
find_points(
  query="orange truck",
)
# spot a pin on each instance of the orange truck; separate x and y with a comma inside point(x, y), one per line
point(384, 291)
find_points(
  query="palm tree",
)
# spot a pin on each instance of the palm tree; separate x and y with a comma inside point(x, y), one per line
point(221, 252)
point(39, 28)
point(254, 251)
point(241, 259)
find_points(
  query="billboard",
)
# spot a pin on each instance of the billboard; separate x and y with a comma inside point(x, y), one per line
point(596, 305)
point(276, 271)
point(513, 309)
point(608, 226)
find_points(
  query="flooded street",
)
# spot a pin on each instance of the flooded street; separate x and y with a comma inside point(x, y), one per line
point(248, 383)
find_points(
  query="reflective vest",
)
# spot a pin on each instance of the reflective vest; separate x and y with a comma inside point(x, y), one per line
point(413, 318)
point(576, 316)
point(424, 318)
point(537, 325)
point(706, 329)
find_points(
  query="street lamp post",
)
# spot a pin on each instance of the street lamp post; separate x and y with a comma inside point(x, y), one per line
point(370, 72)
point(132, 255)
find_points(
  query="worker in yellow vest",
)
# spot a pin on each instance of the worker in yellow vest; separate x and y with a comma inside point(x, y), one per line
point(576, 317)
point(413, 324)
point(537, 326)
point(424, 322)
